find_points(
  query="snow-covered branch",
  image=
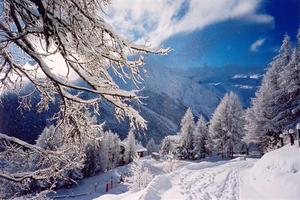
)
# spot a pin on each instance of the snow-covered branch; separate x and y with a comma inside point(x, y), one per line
point(89, 47)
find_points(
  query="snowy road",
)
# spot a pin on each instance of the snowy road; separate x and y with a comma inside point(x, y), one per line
point(191, 181)
point(273, 177)
point(204, 181)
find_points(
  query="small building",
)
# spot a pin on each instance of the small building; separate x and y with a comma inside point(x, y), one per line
point(155, 155)
point(140, 150)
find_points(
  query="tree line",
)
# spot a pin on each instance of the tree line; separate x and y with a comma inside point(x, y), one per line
point(274, 109)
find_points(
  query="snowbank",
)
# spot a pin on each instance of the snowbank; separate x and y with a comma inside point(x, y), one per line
point(277, 174)
point(156, 188)
point(153, 191)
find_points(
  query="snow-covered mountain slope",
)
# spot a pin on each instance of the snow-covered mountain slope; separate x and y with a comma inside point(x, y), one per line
point(184, 87)
point(161, 112)
point(170, 92)
point(202, 88)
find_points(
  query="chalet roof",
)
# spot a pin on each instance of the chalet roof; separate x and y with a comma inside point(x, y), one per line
point(155, 153)
point(140, 148)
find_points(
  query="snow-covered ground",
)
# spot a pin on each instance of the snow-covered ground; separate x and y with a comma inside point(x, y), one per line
point(203, 180)
point(275, 176)
point(93, 187)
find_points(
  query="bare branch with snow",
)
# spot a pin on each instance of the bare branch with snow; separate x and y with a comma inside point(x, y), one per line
point(74, 33)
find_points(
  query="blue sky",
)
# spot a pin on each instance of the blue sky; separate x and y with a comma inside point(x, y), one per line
point(209, 32)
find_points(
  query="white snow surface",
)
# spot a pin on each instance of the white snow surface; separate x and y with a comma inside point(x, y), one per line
point(275, 176)
point(193, 180)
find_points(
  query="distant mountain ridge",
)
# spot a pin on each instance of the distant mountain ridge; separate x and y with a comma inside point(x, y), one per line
point(202, 88)
point(170, 92)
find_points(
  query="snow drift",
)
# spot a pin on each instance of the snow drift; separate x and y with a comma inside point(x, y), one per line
point(277, 174)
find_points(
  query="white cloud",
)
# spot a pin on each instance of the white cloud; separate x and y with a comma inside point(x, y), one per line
point(156, 21)
point(255, 45)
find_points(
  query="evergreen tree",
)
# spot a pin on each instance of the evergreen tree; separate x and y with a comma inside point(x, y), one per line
point(186, 134)
point(130, 147)
point(262, 119)
point(166, 146)
point(289, 79)
point(259, 125)
point(200, 136)
point(109, 150)
point(151, 146)
point(226, 127)
point(276, 89)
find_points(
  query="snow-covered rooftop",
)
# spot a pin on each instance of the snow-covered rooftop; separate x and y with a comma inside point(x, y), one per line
point(140, 148)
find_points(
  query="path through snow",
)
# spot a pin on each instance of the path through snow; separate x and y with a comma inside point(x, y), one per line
point(194, 181)
point(275, 176)
point(206, 181)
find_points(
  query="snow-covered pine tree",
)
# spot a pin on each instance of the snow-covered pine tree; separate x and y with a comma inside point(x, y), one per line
point(276, 87)
point(253, 129)
point(140, 176)
point(130, 147)
point(151, 146)
point(109, 150)
point(187, 126)
point(166, 146)
point(200, 136)
point(289, 80)
point(262, 125)
point(259, 124)
point(226, 129)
